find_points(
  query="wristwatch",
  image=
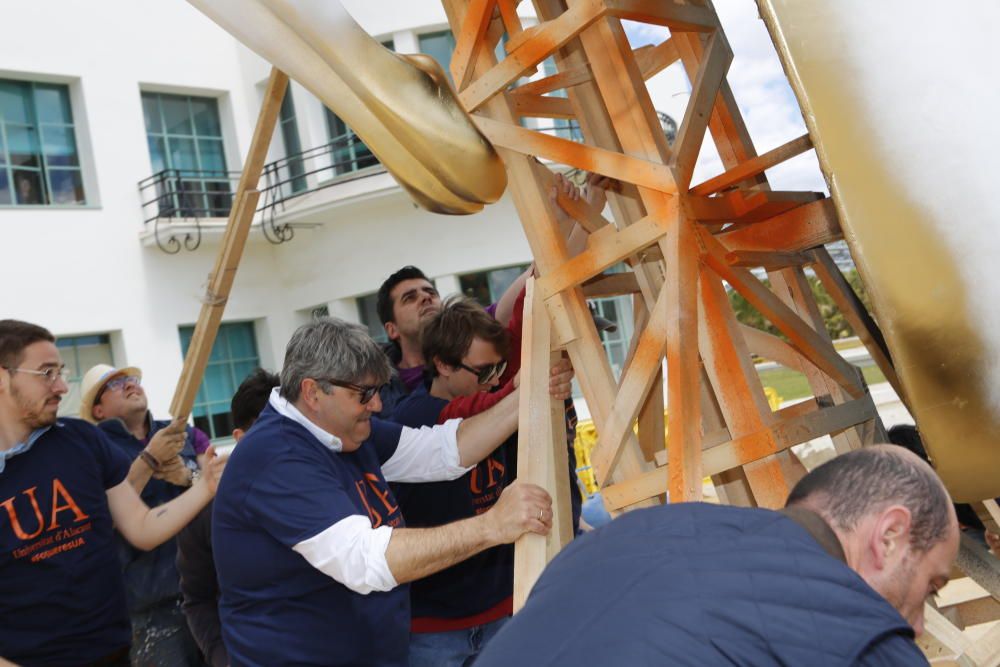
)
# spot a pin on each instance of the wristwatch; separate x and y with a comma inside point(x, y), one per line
point(150, 460)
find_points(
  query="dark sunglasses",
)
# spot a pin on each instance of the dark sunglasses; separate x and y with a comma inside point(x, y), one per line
point(486, 374)
point(367, 393)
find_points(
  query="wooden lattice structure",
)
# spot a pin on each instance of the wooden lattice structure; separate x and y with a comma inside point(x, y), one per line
point(683, 242)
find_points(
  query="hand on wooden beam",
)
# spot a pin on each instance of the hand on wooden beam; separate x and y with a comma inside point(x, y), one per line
point(522, 508)
point(561, 380)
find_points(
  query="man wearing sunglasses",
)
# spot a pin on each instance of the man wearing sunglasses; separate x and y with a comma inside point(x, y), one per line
point(455, 612)
point(63, 493)
point(310, 545)
point(164, 463)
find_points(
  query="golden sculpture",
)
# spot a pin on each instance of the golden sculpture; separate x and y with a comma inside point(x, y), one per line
point(402, 107)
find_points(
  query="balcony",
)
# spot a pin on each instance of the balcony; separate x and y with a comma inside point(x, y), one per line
point(181, 206)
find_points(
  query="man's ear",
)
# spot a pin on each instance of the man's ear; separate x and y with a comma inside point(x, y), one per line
point(309, 392)
point(238, 433)
point(442, 368)
point(890, 535)
point(98, 411)
point(391, 330)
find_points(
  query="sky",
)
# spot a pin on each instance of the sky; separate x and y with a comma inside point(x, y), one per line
point(759, 85)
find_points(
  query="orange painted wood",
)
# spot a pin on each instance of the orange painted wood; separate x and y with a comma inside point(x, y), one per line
point(804, 227)
point(754, 166)
point(537, 106)
point(677, 17)
point(470, 39)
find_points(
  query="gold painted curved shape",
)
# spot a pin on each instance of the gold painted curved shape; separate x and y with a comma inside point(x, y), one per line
point(401, 106)
point(905, 134)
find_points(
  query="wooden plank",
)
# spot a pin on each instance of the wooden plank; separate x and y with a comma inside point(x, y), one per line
point(767, 260)
point(705, 90)
point(508, 14)
point(469, 40)
point(653, 60)
point(547, 38)
point(856, 315)
point(984, 651)
point(537, 106)
point(231, 250)
point(588, 158)
point(745, 450)
point(754, 166)
point(637, 378)
point(541, 432)
point(681, 279)
point(578, 209)
point(553, 82)
point(611, 284)
point(742, 207)
point(802, 337)
point(674, 15)
point(797, 230)
point(605, 248)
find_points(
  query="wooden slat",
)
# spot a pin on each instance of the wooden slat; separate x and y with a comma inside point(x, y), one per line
point(672, 15)
point(741, 207)
point(541, 433)
point(508, 14)
point(588, 158)
point(856, 315)
point(611, 284)
point(233, 242)
point(546, 39)
point(653, 60)
point(767, 260)
point(681, 279)
point(537, 106)
point(802, 228)
point(637, 378)
point(469, 40)
point(754, 166)
point(705, 90)
point(578, 209)
point(605, 248)
point(820, 352)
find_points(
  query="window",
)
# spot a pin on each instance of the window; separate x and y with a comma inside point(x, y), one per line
point(487, 287)
point(39, 160)
point(234, 356)
point(368, 315)
point(294, 168)
point(348, 152)
point(440, 46)
point(185, 145)
point(567, 129)
point(80, 354)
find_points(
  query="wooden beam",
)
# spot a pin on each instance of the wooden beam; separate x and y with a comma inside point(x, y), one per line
point(754, 166)
point(767, 260)
point(802, 337)
point(674, 15)
point(705, 90)
point(802, 228)
point(227, 261)
point(549, 36)
point(605, 248)
point(541, 437)
point(588, 158)
point(653, 60)
point(469, 40)
point(508, 14)
point(537, 106)
point(611, 284)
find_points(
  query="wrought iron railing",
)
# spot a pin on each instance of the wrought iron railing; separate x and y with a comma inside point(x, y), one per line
point(192, 195)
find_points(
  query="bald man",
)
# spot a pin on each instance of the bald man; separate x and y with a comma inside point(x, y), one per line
point(839, 577)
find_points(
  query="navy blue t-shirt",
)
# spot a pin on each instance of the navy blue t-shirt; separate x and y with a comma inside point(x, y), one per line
point(62, 599)
point(486, 579)
point(282, 486)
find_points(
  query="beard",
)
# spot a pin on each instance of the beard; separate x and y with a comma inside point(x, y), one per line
point(34, 416)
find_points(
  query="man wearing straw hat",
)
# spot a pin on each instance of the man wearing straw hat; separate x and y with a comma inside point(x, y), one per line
point(164, 463)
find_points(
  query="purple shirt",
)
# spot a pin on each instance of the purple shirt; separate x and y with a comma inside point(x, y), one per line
point(411, 377)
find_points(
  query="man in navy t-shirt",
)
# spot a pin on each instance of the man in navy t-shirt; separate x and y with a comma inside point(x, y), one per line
point(309, 542)
point(62, 489)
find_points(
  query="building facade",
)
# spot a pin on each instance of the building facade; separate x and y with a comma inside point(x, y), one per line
point(123, 127)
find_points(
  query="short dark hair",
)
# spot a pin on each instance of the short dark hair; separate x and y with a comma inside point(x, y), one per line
point(16, 335)
point(383, 303)
point(448, 335)
point(861, 482)
point(251, 397)
point(907, 436)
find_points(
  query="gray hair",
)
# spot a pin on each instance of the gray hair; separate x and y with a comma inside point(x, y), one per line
point(332, 348)
point(864, 481)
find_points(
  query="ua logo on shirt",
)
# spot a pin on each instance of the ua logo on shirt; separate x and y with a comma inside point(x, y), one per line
point(377, 487)
point(62, 501)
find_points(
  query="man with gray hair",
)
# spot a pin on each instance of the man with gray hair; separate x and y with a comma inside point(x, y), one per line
point(839, 577)
point(310, 545)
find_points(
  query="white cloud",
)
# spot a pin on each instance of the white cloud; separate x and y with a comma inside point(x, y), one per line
point(759, 85)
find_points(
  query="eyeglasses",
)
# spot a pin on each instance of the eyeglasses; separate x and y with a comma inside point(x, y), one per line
point(51, 375)
point(367, 392)
point(488, 373)
point(116, 383)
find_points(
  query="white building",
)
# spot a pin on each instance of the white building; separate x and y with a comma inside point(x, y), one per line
point(96, 97)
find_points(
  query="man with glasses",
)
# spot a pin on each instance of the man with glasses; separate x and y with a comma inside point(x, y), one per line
point(310, 545)
point(63, 491)
point(164, 462)
point(455, 612)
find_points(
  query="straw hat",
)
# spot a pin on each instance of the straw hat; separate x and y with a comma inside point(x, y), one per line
point(94, 381)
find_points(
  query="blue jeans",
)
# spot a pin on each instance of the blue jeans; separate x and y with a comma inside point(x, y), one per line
point(455, 648)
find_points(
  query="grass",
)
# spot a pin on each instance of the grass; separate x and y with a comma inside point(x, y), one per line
point(791, 384)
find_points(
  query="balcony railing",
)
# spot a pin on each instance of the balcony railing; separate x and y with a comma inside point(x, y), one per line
point(179, 194)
